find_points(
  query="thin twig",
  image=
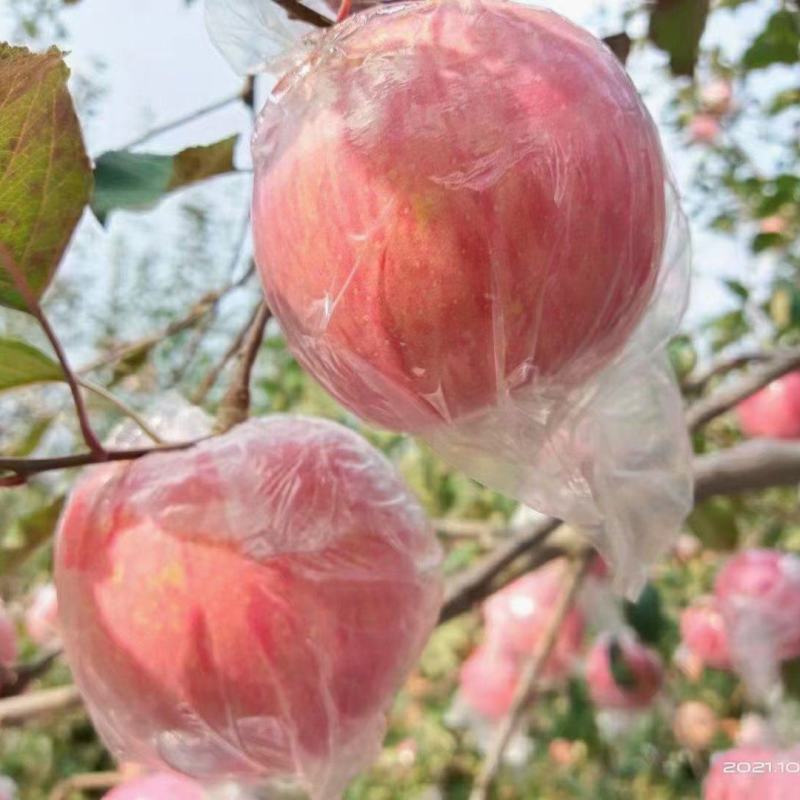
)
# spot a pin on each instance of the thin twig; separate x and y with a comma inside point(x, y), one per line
point(697, 381)
point(18, 709)
point(296, 10)
point(91, 781)
point(529, 677)
point(27, 294)
point(213, 374)
point(115, 401)
point(726, 397)
point(470, 587)
point(235, 404)
point(241, 96)
point(23, 674)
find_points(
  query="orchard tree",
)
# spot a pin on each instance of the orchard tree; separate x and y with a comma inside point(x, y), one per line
point(137, 421)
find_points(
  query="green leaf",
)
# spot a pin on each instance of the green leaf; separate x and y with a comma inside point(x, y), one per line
point(33, 530)
point(646, 615)
point(621, 671)
point(737, 288)
point(778, 43)
point(676, 26)
point(766, 241)
point(21, 364)
point(783, 100)
point(46, 174)
point(714, 523)
point(137, 181)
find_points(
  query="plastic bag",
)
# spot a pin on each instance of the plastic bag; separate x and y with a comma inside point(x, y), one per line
point(758, 593)
point(246, 608)
point(464, 223)
point(761, 771)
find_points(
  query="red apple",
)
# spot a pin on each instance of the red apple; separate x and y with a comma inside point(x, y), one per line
point(695, 725)
point(41, 616)
point(758, 593)
point(774, 411)
point(158, 786)
point(517, 616)
point(488, 680)
point(455, 202)
point(704, 634)
point(8, 639)
point(639, 668)
point(755, 772)
point(246, 608)
point(704, 129)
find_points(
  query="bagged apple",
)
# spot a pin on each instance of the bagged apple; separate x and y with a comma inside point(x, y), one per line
point(246, 608)
point(458, 248)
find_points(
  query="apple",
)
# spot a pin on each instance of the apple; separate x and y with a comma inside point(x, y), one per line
point(704, 129)
point(774, 411)
point(158, 786)
point(517, 616)
point(758, 593)
point(639, 669)
point(717, 96)
point(246, 608)
point(754, 771)
point(8, 639)
point(488, 681)
point(704, 634)
point(695, 725)
point(456, 204)
point(41, 616)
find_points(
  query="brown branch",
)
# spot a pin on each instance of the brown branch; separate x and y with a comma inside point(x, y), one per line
point(235, 403)
point(754, 464)
point(296, 10)
point(211, 377)
point(14, 710)
point(465, 590)
point(529, 678)
point(91, 781)
point(725, 398)
point(23, 674)
point(696, 382)
point(27, 294)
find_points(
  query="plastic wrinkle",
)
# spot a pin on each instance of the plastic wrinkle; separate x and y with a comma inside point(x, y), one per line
point(455, 250)
point(245, 609)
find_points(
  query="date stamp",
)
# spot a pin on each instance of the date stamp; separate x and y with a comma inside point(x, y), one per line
point(778, 767)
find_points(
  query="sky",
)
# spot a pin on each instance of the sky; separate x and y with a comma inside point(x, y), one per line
point(155, 63)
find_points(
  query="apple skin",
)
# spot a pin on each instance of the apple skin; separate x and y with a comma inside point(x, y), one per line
point(158, 786)
point(774, 411)
point(643, 663)
point(758, 593)
point(704, 634)
point(247, 608)
point(488, 680)
point(9, 648)
point(41, 616)
point(455, 202)
point(517, 616)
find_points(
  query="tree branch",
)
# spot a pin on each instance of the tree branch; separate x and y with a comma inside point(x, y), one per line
point(296, 10)
point(726, 397)
point(122, 406)
point(695, 383)
point(18, 709)
point(23, 674)
point(236, 402)
point(91, 781)
point(21, 283)
point(529, 678)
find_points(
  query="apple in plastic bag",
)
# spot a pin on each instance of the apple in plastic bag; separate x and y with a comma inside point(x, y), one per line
point(704, 634)
point(456, 202)
point(774, 411)
point(247, 608)
point(622, 673)
point(488, 681)
point(158, 786)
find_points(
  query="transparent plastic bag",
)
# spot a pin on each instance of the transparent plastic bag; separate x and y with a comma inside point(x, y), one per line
point(246, 608)
point(465, 225)
point(758, 593)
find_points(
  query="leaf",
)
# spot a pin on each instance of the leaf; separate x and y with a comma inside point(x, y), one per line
point(646, 615)
point(46, 173)
point(766, 241)
point(138, 181)
point(676, 26)
point(22, 364)
point(737, 288)
point(33, 530)
point(620, 46)
point(778, 43)
point(621, 671)
point(790, 676)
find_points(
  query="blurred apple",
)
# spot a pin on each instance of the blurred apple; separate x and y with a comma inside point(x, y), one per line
point(703, 633)
point(487, 682)
point(774, 411)
point(41, 616)
point(695, 725)
point(704, 129)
